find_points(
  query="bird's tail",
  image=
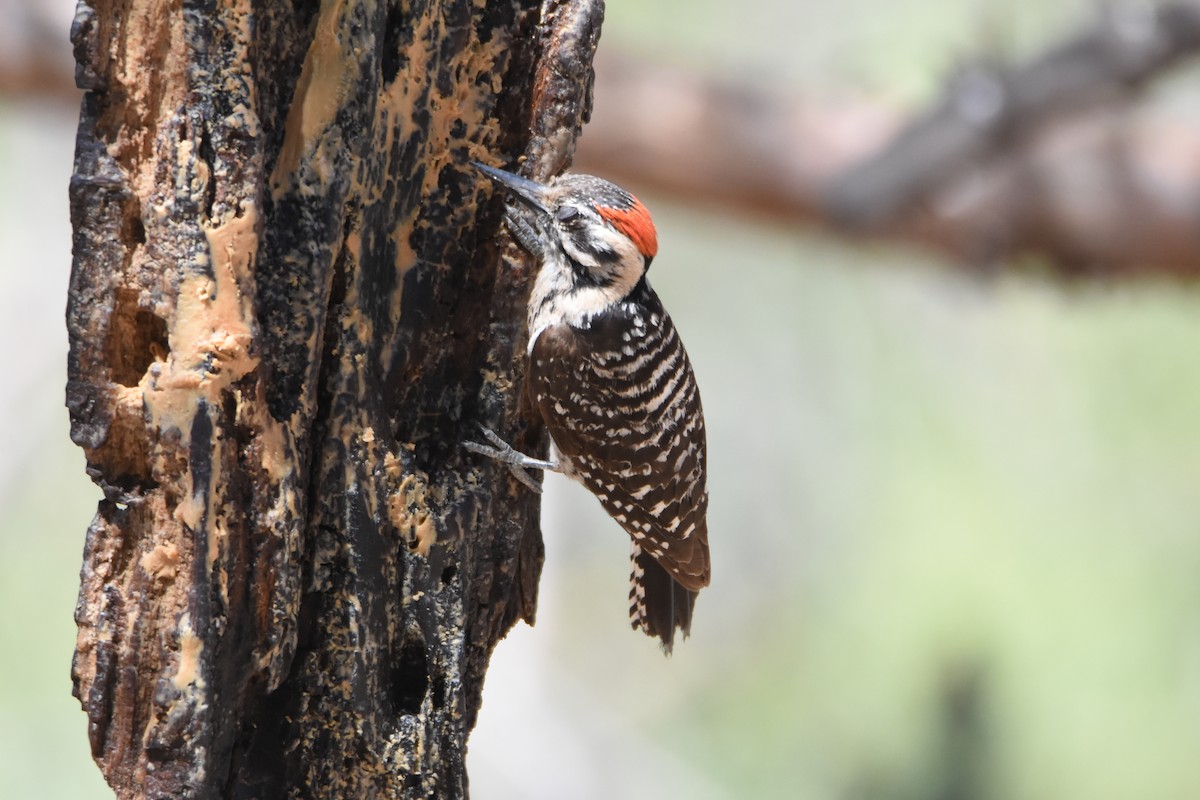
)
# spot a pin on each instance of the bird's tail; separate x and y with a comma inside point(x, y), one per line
point(657, 603)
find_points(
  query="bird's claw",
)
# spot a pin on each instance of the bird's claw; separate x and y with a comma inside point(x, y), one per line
point(515, 460)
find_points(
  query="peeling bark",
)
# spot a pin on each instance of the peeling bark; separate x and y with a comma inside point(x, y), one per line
point(288, 305)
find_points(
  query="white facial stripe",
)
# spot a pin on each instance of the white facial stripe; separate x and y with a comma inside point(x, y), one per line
point(581, 257)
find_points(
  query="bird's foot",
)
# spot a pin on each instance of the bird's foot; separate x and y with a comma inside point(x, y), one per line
point(516, 461)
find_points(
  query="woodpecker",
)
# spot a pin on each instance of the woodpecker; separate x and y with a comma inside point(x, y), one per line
point(609, 377)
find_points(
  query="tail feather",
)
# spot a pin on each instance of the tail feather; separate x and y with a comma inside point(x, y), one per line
point(657, 603)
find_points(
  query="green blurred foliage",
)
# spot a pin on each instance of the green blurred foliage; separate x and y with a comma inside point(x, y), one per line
point(954, 531)
point(899, 48)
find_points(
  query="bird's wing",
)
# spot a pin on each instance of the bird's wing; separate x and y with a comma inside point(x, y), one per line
point(621, 403)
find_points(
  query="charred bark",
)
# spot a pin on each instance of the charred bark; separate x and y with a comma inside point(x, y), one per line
point(288, 306)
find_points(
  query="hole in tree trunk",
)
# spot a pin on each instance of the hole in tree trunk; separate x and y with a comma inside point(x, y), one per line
point(135, 338)
point(410, 675)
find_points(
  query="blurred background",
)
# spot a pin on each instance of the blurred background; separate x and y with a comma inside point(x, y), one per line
point(955, 513)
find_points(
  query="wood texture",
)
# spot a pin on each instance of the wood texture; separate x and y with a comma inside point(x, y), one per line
point(288, 306)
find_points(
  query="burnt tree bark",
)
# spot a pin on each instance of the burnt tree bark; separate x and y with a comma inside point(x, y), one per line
point(290, 301)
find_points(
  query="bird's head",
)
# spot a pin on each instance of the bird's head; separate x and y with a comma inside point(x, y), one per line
point(605, 232)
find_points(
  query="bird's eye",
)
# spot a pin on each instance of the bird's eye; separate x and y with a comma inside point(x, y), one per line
point(566, 213)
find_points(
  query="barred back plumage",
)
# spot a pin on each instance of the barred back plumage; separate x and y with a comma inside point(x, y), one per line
point(621, 404)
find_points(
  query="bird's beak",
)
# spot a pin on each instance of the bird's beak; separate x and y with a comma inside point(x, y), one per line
point(531, 193)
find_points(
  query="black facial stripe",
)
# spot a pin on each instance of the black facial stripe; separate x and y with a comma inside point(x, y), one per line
point(585, 276)
point(593, 247)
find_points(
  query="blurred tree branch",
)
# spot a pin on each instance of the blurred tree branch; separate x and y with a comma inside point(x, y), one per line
point(35, 59)
point(1042, 157)
point(1048, 157)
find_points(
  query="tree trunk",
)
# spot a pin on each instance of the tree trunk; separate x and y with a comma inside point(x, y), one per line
point(288, 307)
